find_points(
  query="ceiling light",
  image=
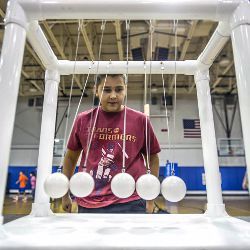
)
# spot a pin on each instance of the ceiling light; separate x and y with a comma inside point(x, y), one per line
point(154, 88)
point(33, 90)
point(224, 61)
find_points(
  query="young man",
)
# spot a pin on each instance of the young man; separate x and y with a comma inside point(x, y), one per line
point(106, 153)
point(22, 181)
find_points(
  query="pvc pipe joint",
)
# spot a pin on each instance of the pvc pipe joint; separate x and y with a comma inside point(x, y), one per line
point(201, 66)
point(40, 44)
point(224, 29)
point(214, 46)
point(216, 210)
point(16, 14)
point(225, 7)
point(52, 75)
point(241, 15)
point(201, 75)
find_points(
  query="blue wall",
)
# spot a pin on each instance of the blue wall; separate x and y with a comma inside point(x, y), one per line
point(13, 174)
point(231, 176)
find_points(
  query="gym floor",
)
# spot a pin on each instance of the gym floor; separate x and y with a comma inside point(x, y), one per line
point(237, 206)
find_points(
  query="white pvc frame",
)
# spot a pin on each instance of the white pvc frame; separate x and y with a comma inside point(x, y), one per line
point(22, 18)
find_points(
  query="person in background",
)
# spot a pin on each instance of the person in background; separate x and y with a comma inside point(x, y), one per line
point(245, 182)
point(33, 184)
point(22, 181)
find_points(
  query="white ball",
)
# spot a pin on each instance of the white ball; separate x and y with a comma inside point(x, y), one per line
point(81, 184)
point(173, 188)
point(123, 185)
point(56, 185)
point(148, 187)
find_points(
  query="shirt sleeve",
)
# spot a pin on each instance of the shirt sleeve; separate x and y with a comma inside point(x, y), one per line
point(150, 142)
point(74, 142)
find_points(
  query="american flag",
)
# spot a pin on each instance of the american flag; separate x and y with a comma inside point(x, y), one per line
point(192, 128)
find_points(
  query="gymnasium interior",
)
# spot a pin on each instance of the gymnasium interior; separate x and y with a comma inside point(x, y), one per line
point(203, 132)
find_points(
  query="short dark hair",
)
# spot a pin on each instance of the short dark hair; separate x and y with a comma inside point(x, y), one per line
point(33, 173)
point(101, 77)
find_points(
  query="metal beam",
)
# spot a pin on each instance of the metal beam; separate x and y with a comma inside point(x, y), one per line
point(32, 52)
point(93, 38)
point(119, 39)
point(2, 14)
point(25, 74)
point(58, 47)
point(188, 39)
point(218, 80)
point(185, 48)
point(87, 42)
point(151, 42)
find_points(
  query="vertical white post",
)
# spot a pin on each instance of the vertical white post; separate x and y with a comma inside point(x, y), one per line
point(10, 70)
point(215, 206)
point(240, 24)
point(41, 206)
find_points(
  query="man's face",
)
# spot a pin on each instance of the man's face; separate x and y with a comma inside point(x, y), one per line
point(114, 91)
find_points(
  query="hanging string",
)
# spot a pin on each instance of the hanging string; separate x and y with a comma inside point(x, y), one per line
point(80, 101)
point(103, 25)
point(146, 120)
point(125, 102)
point(80, 23)
point(86, 81)
point(83, 91)
point(145, 84)
point(150, 90)
point(97, 112)
point(166, 109)
point(175, 76)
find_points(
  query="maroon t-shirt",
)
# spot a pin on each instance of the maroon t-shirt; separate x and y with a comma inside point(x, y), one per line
point(106, 150)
